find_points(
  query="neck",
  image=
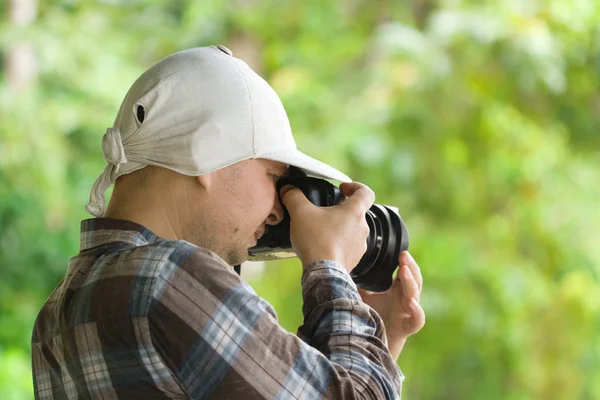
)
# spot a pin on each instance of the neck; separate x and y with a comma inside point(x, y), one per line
point(155, 212)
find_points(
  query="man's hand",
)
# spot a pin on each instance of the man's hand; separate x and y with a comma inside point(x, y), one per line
point(338, 233)
point(399, 306)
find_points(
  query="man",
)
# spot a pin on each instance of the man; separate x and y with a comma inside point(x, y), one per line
point(150, 307)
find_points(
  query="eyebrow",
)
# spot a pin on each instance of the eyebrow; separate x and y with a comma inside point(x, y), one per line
point(280, 174)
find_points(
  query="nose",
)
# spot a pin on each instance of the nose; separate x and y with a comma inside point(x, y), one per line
point(276, 215)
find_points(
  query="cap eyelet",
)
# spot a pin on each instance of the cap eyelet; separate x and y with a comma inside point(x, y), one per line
point(140, 113)
point(224, 50)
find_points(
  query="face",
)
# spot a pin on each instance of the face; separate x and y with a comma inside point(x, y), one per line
point(241, 201)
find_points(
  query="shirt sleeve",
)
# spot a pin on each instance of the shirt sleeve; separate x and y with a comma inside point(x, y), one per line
point(219, 339)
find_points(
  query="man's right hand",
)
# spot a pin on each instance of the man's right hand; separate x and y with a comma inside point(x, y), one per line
point(338, 233)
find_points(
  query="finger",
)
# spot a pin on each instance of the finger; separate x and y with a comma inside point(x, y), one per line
point(358, 196)
point(347, 188)
point(292, 197)
point(417, 316)
point(407, 259)
point(398, 278)
point(410, 289)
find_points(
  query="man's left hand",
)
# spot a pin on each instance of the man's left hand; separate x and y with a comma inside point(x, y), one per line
point(399, 306)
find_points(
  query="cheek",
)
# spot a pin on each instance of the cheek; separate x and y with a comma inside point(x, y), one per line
point(261, 200)
point(244, 212)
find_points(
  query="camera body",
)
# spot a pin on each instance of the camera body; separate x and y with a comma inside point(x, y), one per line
point(388, 235)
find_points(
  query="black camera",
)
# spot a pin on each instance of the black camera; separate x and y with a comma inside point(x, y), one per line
point(388, 235)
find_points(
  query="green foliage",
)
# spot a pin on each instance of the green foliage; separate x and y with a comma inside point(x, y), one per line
point(478, 119)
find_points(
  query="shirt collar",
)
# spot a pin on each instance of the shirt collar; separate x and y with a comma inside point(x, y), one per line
point(98, 231)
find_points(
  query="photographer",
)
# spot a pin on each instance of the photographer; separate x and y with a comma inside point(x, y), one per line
point(151, 308)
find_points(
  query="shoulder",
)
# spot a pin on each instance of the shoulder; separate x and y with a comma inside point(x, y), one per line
point(166, 259)
point(199, 288)
point(181, 271)
point(176, 263)
point(193, 270)
point(126, 283)
point(158, 259)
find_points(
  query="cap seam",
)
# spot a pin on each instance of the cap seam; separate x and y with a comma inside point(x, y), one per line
point(235, 63)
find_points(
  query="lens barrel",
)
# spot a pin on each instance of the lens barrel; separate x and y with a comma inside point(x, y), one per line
point(388, 237)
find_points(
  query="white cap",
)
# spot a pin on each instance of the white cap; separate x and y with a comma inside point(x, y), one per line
point(197, 111)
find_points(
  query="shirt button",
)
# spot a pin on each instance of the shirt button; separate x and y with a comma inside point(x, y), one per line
point(225, 50)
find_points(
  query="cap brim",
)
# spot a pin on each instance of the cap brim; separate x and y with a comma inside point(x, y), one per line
point(308, 164)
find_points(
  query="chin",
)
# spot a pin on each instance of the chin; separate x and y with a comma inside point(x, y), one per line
point(236, 257)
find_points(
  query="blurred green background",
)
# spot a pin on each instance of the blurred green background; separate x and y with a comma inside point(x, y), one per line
point(478, 119)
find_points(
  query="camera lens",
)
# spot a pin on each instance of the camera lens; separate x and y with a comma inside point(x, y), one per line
point(387, 238)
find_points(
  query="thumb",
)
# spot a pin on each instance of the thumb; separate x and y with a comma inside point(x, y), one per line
point(292, 197)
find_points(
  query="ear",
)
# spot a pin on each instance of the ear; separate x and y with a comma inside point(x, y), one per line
point(205, 180)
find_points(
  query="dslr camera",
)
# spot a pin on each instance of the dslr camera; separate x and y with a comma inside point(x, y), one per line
point(388, 235)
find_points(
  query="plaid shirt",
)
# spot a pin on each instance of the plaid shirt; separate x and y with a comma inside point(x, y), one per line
point(138, 316)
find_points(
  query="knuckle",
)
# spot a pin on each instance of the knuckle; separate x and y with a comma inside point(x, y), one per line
point(369, 193)
point(365, 230)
